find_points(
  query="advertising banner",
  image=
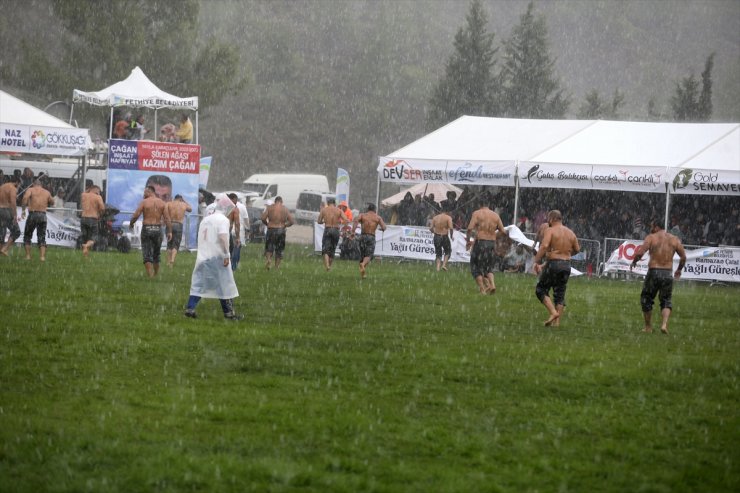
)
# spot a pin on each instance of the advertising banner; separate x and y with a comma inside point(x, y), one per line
point(499, 173)
point(711, 263)
point(586, 176)
point(43, 140)
point(342, 191)
point(205, 171)
point(407, 242)
point(172, 169)
point(547, 175)
point(62, 229)
point(704, 182)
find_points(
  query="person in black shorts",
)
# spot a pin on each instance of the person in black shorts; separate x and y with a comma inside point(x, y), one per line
point(8, 214)
point(662, 247)
point(276, 217)
point(558, 244)
point(331, 217)
point(369, 222)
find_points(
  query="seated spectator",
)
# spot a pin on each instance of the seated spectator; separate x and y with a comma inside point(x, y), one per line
point(168, 133)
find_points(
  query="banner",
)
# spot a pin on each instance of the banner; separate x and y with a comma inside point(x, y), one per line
point(205, 170)
point(586, 176)
point(62, 229)
point(704, 182)
point(711, 263)
point(406, 241)
point(172, 169)
point(43, 140)
point(500, 173)
point(342, 191)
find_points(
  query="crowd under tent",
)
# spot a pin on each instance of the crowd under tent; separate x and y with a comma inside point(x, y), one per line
point(661, 158)
point(137, 91)
point(439, 190)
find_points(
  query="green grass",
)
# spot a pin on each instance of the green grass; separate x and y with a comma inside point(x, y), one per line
point(406, 381)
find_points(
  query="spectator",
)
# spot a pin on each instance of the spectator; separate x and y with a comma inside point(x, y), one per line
point(516, 259)
point(185, 131)
point(59, 199)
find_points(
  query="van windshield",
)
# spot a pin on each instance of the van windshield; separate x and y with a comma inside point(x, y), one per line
point(254, 187)
point(309, 202)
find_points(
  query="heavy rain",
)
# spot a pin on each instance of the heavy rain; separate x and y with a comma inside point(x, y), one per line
point(387, 245)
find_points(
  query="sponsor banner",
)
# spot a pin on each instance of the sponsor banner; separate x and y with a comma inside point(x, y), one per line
point(171, 169)
point(549, 175)
point(711, 263)
point(147, 155)
point(704, 182)
point(62, 229)
point(205, 171)
point(43, 140)
point(632, 179)
point(499, 173)
point(342, 190)
point(586, 176)
point(407, 242)
point(148, 102)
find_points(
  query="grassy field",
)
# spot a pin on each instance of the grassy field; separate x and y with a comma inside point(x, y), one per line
point(408, 381)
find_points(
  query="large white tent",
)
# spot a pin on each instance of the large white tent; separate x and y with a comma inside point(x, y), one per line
point(26, 129)
point(583, 154)
point(139, 92)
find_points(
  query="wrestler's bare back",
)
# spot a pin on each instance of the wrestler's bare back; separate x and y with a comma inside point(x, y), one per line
point(92, 205)
point(177, 210)
point(369, 222)
point(441, 224)
point(560, 242)
point(662, 246)
point(37, 199)
point(486, 223)
point(277, 216)
point(332, 216)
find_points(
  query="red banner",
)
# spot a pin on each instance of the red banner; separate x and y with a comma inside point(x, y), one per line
point(166, 157)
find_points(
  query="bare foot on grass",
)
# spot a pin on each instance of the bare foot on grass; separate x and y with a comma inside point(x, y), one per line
point(647, 330)
point(553, 318)
point(664, 330)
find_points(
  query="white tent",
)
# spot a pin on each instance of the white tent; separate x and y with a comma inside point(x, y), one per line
point(139, 92)
point(26, 129)
point(439, 190)
point(585, 154)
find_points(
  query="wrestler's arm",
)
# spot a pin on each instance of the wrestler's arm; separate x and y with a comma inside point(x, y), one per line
point(544, 247)
point(682, 259)
point(136, 215)
point(640, 251)
point(291, 220)
point(167, 221)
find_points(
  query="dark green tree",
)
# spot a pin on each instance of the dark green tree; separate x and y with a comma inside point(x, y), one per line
point(705, 98)
point(530, 89)
point(594, 107)
point(689, 104)
point(468, 87)
point(102, 43)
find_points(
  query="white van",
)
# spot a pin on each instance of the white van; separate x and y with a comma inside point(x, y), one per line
point(262, 187)
point(309, 205)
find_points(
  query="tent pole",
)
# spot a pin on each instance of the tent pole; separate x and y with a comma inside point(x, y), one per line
point(377, 194)
point(110, 130)
point(516, 193)
point(71, 112)
point(667, 205)
point(196, 126)
point(155, 123)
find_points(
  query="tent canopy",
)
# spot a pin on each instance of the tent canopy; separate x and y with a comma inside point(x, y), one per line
point(14, 110)
point(25, 129)
point(584, 154)
point(137, 91)
point(439, 190)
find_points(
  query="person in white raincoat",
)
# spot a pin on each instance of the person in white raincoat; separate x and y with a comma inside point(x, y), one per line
point(212, 275)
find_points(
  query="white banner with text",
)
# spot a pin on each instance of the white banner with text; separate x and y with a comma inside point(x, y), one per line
point(710, 263)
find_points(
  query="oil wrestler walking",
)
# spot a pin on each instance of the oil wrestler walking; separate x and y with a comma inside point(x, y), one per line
point(558, 244)
point(369, 222)
point(277, 217)
point(485, 224)
point(662, 246)
point(155, 211)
